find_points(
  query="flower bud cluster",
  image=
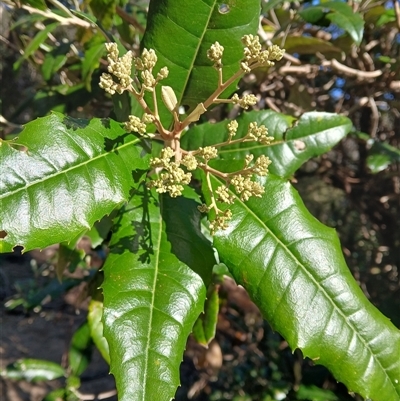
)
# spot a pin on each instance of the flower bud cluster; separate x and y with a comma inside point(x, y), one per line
point(119, 68)
point(172, 178)
point(255, 56)
point(245, 187)
point(215, 54)
point(145, 64)
point(174, 166)
point(221, 221)
point(232, 129)
point(245, 101)
point(259, 134)
point(135, 125)
point(208, 153)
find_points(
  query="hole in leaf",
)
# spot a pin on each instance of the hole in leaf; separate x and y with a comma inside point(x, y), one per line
point(3, 234)
point(299, 145)
point(223, 8)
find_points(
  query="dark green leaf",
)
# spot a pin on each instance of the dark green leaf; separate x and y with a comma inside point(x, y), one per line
point(294, 270)
point(96, 328)
point(80, 350)
point(100, 231)
point(39, 4)
point(181, 32)
point(313, 134)
point(151, 301)
point(54, 60)
point(68, 256)
point(182, 222)
point(307, 45)
point(341, 14)
point(73, 172)
point(33, 370)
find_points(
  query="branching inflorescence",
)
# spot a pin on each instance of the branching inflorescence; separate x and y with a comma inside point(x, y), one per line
point(175, 164)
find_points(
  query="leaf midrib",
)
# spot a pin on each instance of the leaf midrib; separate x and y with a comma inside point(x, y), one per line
point(279, 142)
point(152, 307)
point(324, 292)
point(85, 163)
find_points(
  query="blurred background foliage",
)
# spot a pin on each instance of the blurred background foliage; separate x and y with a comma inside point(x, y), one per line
point(342, 56)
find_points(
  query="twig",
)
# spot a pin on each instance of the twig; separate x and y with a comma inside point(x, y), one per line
point(49, 14)
point(397, 12)
point(299, 69)
point(125, 16)
point(352, 72)
point(375, 116)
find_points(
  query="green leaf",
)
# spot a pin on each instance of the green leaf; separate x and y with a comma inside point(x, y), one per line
point(341, 14)
point(206, 324)
point(270, 4)
point(380, 155)
point(378, 162)
point(80, 350)
point(39, 4)
point(72, 173)
point(151, 302)
point(91, 60)
point(313, 134)
point(104, 11)
point(181, 32)
point(33, 370)
point(307, 45)
point(294, 270)
point(68, 256)
point(96, 328)
point(34, 44)
point(182, 221)
point(313, 393)
point(56, 395)
point(99, 232)
point(54, 60)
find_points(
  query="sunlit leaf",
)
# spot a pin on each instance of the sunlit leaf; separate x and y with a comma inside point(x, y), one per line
point(312, 135)
point(182, 32)
point(151, 302)
point(294, 270)
point(60, 185)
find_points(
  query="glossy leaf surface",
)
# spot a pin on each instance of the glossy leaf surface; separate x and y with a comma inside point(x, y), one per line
point(206, 325)
point(313, 134)
point(33, 370)
point(95, 314)
point(181, 32)
point(182, 221)
point(151, 302)
point(293, 268)
point(61, 176)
